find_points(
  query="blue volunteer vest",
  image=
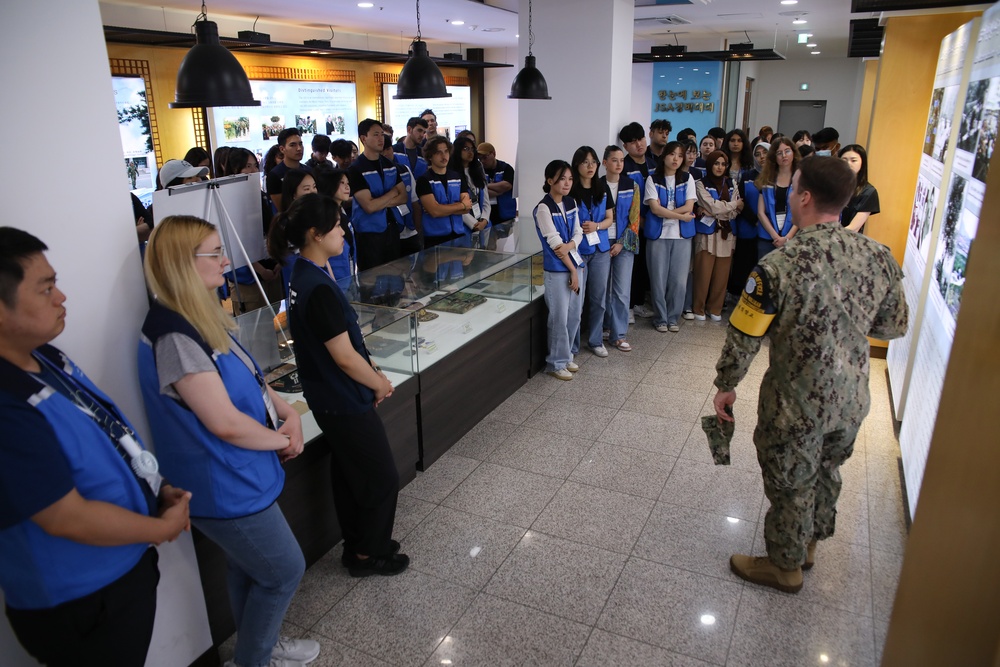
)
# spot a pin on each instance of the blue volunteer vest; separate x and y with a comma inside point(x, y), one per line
point(770, 211)
point(345, 264)
point(595, 213)
point(418, 169)
point(506, 206)
point(654, 223)
point(327, 388)
point(407, 178)
point(378, 185)
point(701, 227)
point(450, 194)
point(38, 570)
point(623, 204)
point(564, 225)
point(225, 481)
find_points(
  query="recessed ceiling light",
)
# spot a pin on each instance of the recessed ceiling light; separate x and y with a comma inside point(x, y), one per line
point(815, 53)
point(789, 2)
point(457, 22)
point(811, 46)
point(517, 36)
point(799, 22)
point(366, 5)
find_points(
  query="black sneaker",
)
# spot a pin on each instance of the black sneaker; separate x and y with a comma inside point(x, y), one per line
point(347, 557)
point(387, 566)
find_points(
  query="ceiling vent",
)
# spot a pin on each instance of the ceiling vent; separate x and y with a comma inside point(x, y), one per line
point(865, 39)
point(663, 20)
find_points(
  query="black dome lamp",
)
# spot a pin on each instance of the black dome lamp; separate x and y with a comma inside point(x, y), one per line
point(420, 77)
point(529, 84)
point(209, 75)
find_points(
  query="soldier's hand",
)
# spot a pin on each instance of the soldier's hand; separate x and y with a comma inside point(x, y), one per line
point(723, 400)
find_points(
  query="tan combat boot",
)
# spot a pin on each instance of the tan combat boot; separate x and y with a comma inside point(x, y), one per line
point(810, 556)
point(760, 570)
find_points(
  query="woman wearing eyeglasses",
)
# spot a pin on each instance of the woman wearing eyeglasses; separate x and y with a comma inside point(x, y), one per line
point(775, 180)
point(221, 433)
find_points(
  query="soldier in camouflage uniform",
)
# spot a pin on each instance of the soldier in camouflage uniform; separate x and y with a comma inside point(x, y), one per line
point(816, 299)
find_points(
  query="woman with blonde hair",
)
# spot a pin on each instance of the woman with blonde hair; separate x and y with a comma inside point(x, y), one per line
point(775, 180)
point(221, 433)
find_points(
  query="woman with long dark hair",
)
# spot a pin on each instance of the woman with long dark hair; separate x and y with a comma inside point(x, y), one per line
point(714, 243)
point(342, 386)
point(864, 203)
point(465, 162)
point(774, 182)
point(596, 217)
point(737, 150)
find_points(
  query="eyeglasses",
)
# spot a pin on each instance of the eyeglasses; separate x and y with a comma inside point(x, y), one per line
point(467, 149)
point(588, 163)
point(784, 153)
point(219, 256)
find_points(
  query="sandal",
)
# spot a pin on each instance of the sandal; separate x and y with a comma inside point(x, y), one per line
point(622, 345)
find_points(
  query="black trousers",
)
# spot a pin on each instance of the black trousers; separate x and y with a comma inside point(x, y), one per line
point(364, 479)
point(640, 277)
point(744, 259)
point(377, 248)
point(111, 626)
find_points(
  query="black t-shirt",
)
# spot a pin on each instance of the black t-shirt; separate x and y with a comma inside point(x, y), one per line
point(508, 173)
point(588, 195)
point(272, 184)
point(424, 182)
point(355, 173)
point(865, 201)
point(780, 199)
point(324, 316)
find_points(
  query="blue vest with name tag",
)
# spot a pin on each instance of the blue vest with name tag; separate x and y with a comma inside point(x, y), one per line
point(654, 223)
point(565, 224)
point(595, 213)
point(700, 226)
point(770, 209)
point(452, 194)
point(378, 185)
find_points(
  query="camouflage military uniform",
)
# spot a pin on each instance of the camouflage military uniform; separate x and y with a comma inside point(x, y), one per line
point(816, 300)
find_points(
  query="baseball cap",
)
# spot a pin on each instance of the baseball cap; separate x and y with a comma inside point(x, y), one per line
point(485, 148)
point(175, 169)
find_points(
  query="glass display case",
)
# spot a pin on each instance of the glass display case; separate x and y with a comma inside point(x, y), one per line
point(453, 293)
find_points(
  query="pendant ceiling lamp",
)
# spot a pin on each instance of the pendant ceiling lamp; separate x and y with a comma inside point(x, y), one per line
point(529, 84)
point(209, 75)
point(420, 77)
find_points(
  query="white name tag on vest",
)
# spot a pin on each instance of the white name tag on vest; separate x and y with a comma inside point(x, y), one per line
point(779, 222)
point(593, 238)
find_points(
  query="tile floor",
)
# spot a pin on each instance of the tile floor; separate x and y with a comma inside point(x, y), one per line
point(583, 523)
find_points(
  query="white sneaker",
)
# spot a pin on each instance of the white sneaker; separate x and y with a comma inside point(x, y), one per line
point(688, 315)
point(643, 311)
point(700, 318)
point(605, 335)
point(662, 328)
point(600, 351)
point(631, 316)
point(572, 367)
point(673, 328)
point(301, 650)
point(561, 374)
point(715, 318)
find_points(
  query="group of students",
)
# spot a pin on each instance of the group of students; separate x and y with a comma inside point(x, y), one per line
point(687, 223)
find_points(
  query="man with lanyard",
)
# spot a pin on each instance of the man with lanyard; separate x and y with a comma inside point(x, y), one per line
point(81, 500)
point(639, 164)
point(500, 185)
point(411, 145)
point(376, 191)
point(291, 149)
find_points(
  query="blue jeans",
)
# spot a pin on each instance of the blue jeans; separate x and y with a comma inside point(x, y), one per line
point(669, 261)
point(565, 308)
point(598, 268)
point(689, 291)
point(764, 246)
point(265, 565)
point(619, 291)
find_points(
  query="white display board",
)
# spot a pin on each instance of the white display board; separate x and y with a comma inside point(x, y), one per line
point(240, 197)
point(959, 222)
point(315, 107)
point(454, 113)
point(950, 78)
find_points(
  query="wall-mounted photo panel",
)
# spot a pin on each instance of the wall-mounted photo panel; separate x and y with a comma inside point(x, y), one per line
point(139, 165)
point(454, 113)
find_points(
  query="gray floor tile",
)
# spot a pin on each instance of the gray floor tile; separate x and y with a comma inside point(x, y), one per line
point(647, 343)
point(228, 647)
point(706, 334)
point(541, 384)
point(498, 632)
point(841, 578)
point(883, 476)
point(335, 654)
point(717, 489)
point(503, 494)
point(632, 471)
point(778, 630)
point(630, 366)
point(398, 619)
point(881, 633)
point(605, 519)
point(886, 567)
point(484, 437)
point(742, 451)
point(693, 355)
point(887, 525)
point(595, 390)
point(542, 452)
point(674, 609)
point(557, 576)
point(679, 376)
point(322, 586)
point(579, 419)
point(460, 547)
point(604, 648)
point(852, 519)
point(516, 408)
point(440, 478)
point(410, 511)
point(694, 540)
point(854, 475)
point(667, 402)
point(647, 432)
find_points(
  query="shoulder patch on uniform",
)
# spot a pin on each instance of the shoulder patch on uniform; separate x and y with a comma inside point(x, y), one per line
point(755, 311)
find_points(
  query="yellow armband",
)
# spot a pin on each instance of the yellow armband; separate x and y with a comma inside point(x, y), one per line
point(755, 311)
